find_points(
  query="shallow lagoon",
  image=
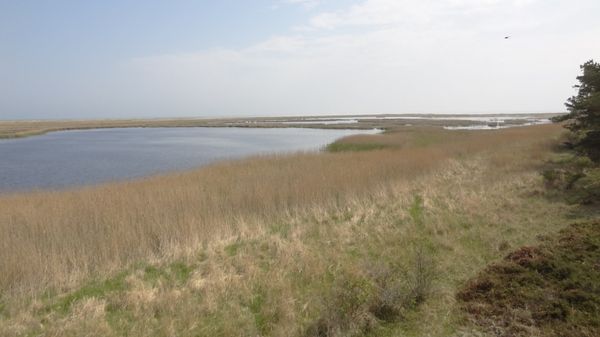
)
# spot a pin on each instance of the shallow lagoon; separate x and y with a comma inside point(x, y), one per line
point(84, 157)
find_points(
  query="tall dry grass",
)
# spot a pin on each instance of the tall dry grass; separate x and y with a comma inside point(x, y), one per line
point(57, 239)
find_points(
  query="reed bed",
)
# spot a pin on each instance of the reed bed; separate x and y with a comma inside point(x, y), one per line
point(56, 240)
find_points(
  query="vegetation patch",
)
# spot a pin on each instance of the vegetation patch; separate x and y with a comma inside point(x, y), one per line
point(576, 173)
point(417, 211)
point(97, 289)
point(181, 271)
point(551, 290)
point(2, 307)
point(232, 249)
point(178, 272)
point(265, 313)
point(354, 147)
point(364, 301)
point(575, 178)
point(280, 228)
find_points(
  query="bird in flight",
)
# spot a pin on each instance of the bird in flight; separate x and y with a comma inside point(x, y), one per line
point(507, 37)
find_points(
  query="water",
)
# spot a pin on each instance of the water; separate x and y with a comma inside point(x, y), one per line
point(501, 121)
point(74, 158)
point(499, 125)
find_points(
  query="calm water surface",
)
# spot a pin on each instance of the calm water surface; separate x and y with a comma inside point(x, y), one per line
point(72, 158)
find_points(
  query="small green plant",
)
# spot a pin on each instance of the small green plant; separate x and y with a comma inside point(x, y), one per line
point(577, 177)
point(2, 307)
point(265, 313)
point(181, 271)
point(392, 293)
point(382, 292)
point(281, 228)
point(421, 275)
point(232, 249)
point(417, 211)
point(346, 309)
point(589, 186)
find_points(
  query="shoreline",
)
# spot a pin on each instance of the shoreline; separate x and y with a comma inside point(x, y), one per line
point(124, 173)
point(22, 129)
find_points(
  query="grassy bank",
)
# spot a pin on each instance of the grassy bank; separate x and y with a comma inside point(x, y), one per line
point(335, 244)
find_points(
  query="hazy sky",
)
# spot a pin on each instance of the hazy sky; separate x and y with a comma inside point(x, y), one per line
point(150, 58)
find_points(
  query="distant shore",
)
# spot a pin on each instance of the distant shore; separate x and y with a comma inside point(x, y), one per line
point(28, 128)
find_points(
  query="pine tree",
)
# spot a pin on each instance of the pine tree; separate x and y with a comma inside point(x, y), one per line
point(584, 112)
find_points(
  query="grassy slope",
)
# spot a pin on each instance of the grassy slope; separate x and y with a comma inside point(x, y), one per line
point(385, 261)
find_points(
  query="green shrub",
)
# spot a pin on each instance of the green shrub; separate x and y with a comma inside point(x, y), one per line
point(421, 275)
point(417, 210)
point(358, 302)
point(576, 176)
point(345, 310)
point(588, 186)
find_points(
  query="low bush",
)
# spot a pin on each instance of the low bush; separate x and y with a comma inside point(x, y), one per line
point(589, 185)
point(358, 302)
point(576, 177)
point(549, 290)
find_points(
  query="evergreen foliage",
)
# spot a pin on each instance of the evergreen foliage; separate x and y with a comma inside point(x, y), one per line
point(584, 112)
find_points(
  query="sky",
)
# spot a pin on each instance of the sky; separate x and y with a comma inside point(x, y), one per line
point(184, 58)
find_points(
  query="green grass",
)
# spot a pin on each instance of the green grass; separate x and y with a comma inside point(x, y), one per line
point(178, 272)
point(232, 249)
point(417, 210)
point(263, 317)
point(95, 289)
point(281, 228)
point(181, 271)
point(2, 308)
point(153, 274)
